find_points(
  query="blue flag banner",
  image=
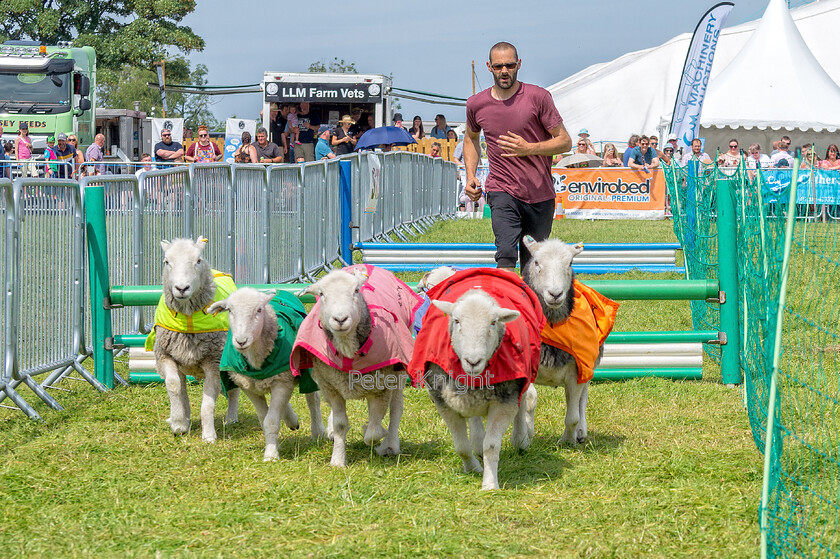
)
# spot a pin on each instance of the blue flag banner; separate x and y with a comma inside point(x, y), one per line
point(695, 77)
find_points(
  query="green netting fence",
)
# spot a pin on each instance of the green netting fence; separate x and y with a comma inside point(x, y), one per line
point(788, 257)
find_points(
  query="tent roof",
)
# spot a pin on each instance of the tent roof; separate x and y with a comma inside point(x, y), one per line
point(635, 92)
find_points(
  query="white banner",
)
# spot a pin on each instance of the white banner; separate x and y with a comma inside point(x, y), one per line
point(375, 173)
point(695, 77)
point(174, 125)
point(234, 128)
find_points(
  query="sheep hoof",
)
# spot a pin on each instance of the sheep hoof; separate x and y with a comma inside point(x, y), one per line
point(374, 434)
point(390, 450)
point(209, 438)
point(337, 464)
point(489, 486)
point(179, 427)
point(473, 466)
point(271, 457)
point(230, 420)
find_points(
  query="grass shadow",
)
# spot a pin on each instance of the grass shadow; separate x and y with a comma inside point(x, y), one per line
point(358, 451)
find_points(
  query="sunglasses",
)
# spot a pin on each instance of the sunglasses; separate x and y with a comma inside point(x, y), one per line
point(165, 135)
point(733, 147)
point(203, 135)
point(508, 66)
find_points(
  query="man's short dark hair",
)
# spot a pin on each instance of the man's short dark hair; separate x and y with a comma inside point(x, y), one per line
point(502, 45)
point(698, 140)
point(436, 144)
point(262, 130)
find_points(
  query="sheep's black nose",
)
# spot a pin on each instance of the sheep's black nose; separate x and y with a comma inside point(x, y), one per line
point(182, 290)
point(340, 320)
point(472, 363)
point(555, 295)
point(241, 341)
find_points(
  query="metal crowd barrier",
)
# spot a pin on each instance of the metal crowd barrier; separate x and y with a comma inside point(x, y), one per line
point(281, 223)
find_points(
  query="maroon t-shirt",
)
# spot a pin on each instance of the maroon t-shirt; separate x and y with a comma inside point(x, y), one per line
point(530, 113)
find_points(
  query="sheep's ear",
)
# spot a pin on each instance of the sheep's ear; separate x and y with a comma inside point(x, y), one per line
point(201, 242)
point(422, 285)
point(165, 245)
point(508, 315)
point(445, 306)
point(361, 277)
point(530, 243)
point(217, 307)
point(311, 289)
point(577, 249)
point(268, 295)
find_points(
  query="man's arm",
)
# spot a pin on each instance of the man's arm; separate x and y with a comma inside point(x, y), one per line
point(472, 149)
point(637, 166)
point(515, 146)
point(654, 163)
point(278, 155)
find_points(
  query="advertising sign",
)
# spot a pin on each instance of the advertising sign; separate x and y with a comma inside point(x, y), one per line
point(685, 121)
point(174, 125)
point(604, 193)
point(234, 127)
point(276, 92)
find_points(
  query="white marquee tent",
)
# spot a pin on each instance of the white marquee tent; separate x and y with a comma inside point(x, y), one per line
point(768, 75)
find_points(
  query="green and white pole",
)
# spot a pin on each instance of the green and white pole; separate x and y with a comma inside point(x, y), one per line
point(730, 360)
point(97, 242)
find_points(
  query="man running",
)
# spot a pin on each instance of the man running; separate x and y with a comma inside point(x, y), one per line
point(523, 129)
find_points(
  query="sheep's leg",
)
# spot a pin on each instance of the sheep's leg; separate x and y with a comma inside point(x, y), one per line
point(176, 387)
point(583, 429)
point(212, 389)
point(313, 402)
point(391, 443)
point(477, 435)
point(377, 407)
point(290, 418)
point(232, 415)
point(458, 429)
point(340, 424)
point(499, 417)
point(260, 406)
point(573, 396)
point(523, 424)
point(281, 393)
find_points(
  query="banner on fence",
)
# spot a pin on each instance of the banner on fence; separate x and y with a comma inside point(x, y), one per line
point(174, 125)
point(234, 127)
point(604, 193)
point(813, 187)
point(375, 174)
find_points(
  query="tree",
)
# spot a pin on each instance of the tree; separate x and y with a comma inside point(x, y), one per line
point(123, 32)
point(337, 66)
point(193, 108)
point(196, 109)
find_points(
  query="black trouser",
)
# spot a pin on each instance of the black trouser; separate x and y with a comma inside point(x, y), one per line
point(512, 219)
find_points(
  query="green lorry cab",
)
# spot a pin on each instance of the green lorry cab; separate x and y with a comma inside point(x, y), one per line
point(51, 88)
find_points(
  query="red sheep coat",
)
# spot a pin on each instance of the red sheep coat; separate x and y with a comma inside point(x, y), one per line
point(519, 354)
point(392, 306)
point(582, 334)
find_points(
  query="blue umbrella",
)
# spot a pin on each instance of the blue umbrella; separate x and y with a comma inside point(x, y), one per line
point(375, 137)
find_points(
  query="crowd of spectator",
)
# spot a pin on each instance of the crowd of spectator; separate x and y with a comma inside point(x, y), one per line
point(643, 153)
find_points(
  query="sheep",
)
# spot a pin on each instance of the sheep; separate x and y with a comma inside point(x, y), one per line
point(480, 361)
point(428, 281)
point(357, 338)
point(568, 359)
point(263, 326)
point(186, 339)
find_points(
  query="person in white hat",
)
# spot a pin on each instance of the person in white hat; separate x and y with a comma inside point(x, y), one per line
point(583, 135)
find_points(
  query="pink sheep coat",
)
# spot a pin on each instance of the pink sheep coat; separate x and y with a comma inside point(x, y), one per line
point(392, 306)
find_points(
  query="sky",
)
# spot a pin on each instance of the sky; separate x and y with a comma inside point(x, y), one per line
point(430, 46)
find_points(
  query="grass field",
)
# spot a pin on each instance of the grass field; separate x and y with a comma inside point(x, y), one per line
point(670, 470)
